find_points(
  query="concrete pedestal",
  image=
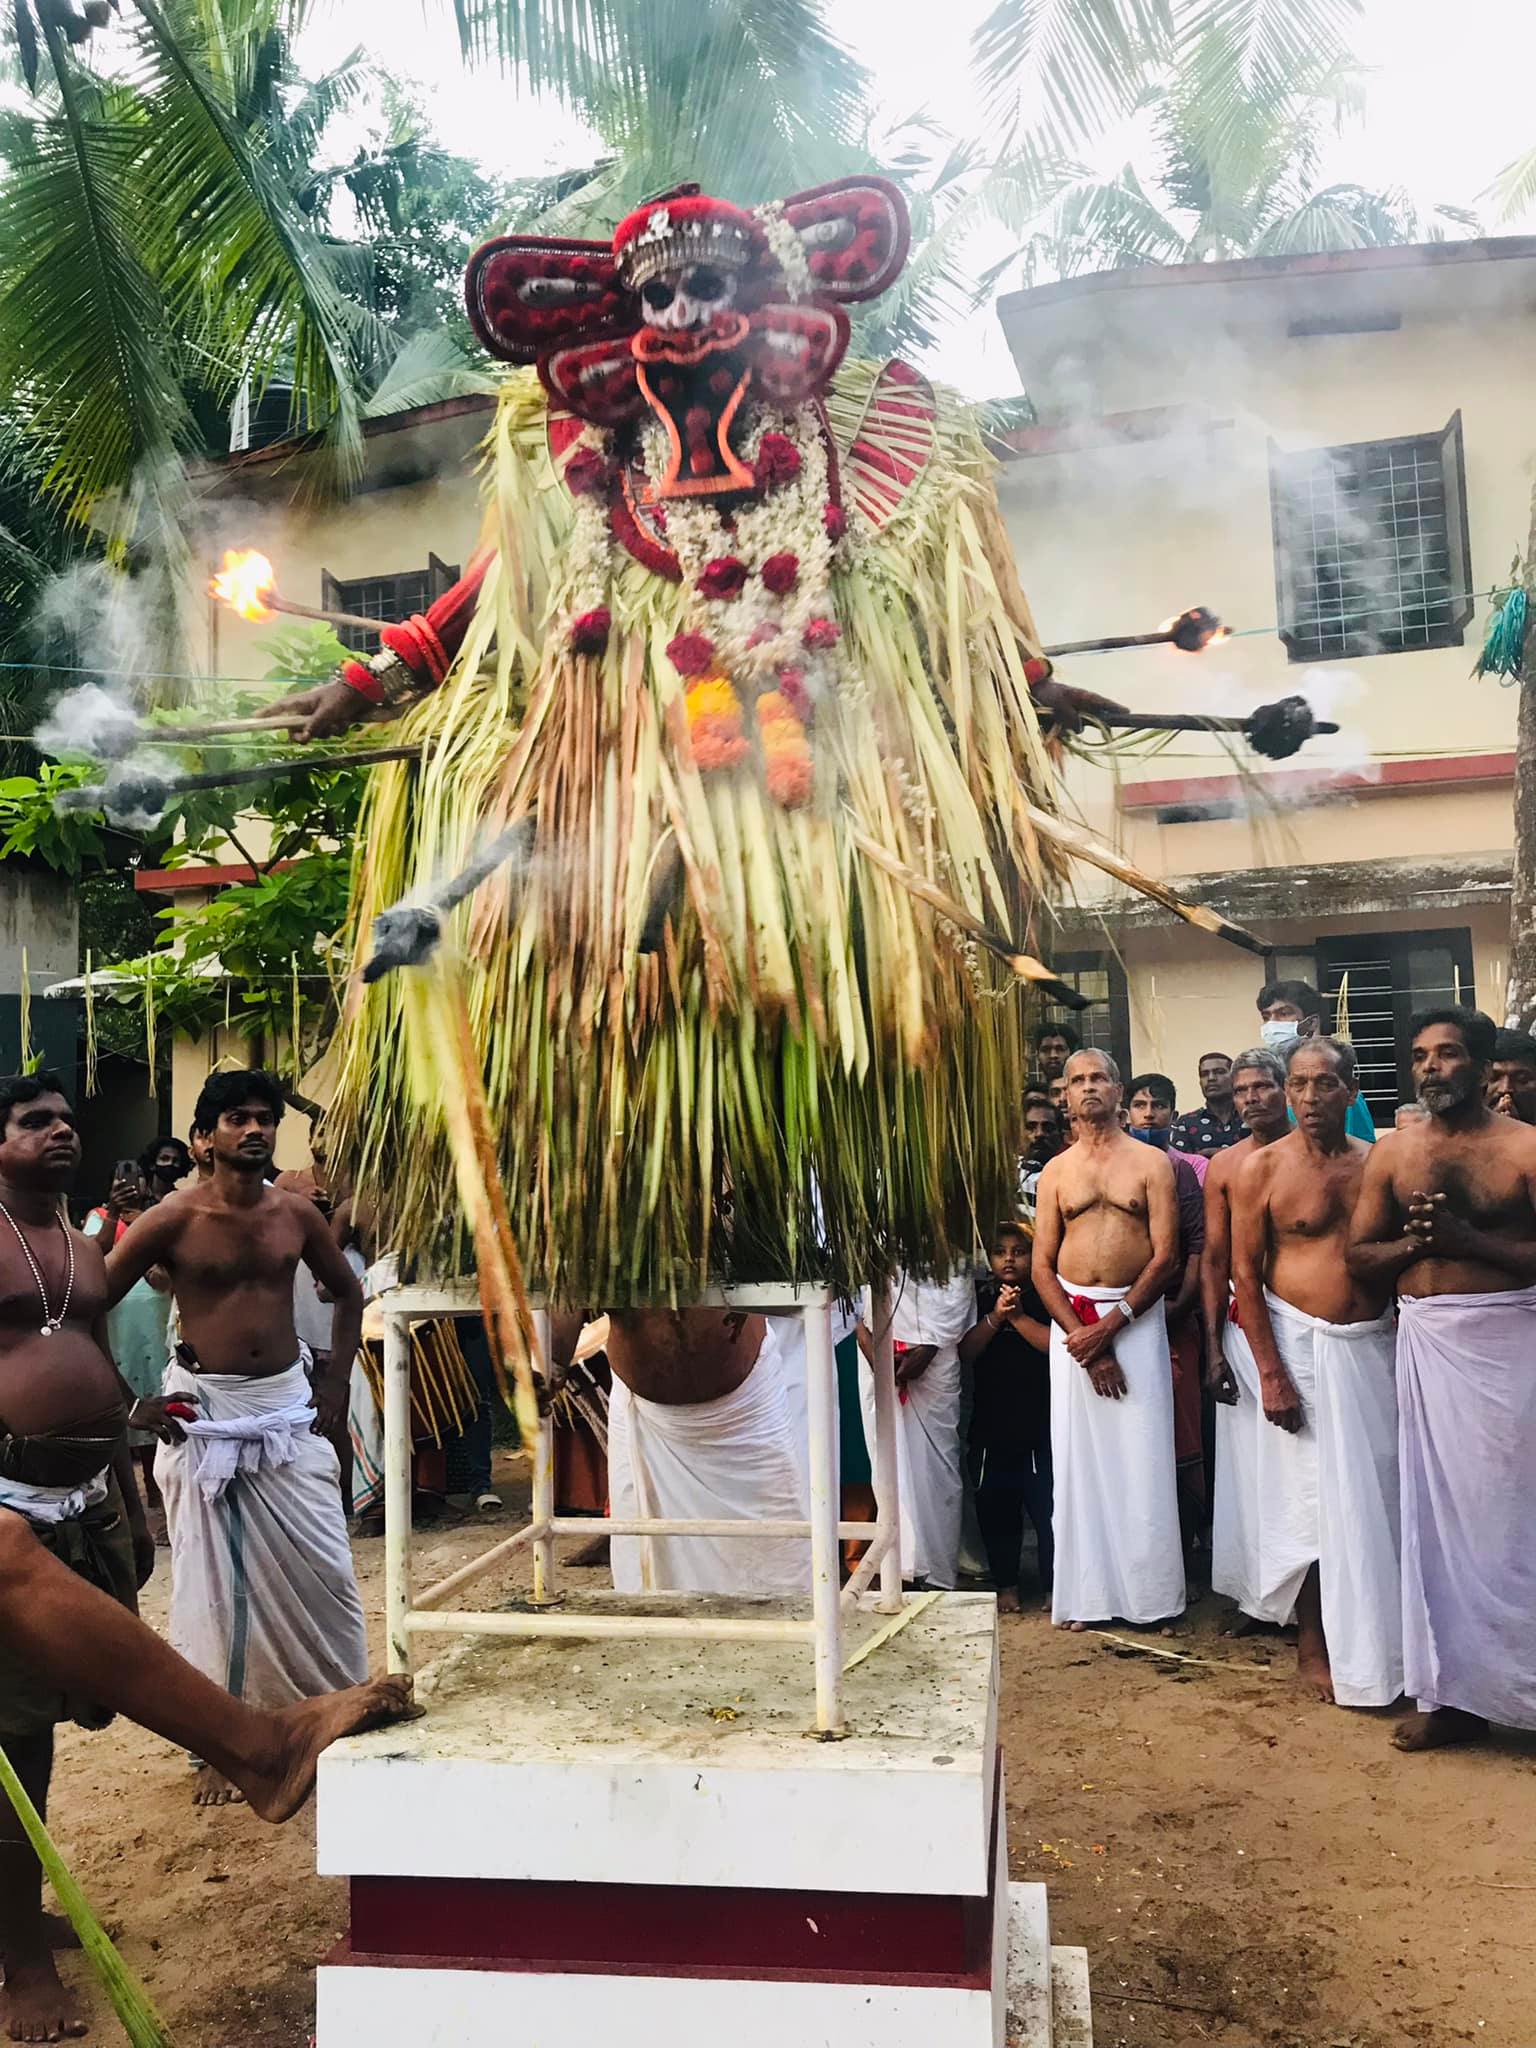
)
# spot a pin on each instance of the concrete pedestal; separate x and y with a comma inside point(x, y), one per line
point(635, 1841)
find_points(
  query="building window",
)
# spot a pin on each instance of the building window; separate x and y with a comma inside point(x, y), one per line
point(389, 599)
point(1371, 547)
point(1376, 981)
point(1106, 1023)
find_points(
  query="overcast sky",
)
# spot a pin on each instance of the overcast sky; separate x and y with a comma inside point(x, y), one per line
point(1448, 103)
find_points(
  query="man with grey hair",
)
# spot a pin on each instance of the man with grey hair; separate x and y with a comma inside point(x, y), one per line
point(1258, 1094)
point(1324, 1343)
point(1106, 1247)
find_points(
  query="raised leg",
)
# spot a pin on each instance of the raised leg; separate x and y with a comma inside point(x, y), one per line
point(88, 1645)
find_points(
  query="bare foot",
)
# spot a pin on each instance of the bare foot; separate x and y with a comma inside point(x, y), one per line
point(1007, 1599)
point(1075, 1628)
point(279, 1787)
point(1246, 1625)
point(1312, 1669)
point(1441, 1728)
point(214, 1789)
point(34, 2006)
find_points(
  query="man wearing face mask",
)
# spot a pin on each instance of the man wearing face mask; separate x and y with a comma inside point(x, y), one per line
point(1152, 1103)
point(1292, 1010)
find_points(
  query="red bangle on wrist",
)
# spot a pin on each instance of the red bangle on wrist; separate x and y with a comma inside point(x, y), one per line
point(358, 676)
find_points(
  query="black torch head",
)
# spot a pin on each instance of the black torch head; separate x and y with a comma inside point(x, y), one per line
point(1277, 730)
point(404, 936)
point(1195, 629)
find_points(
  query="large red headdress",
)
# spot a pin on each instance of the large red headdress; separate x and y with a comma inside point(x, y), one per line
point(694, 305)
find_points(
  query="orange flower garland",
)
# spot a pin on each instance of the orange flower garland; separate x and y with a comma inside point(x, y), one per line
point(715, 724)
point(787, 765)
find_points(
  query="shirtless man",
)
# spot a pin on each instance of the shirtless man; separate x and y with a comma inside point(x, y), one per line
point(1258, 1093)
point(1448, 1215)
point(64, 1467)
point(1106, 1248)
point(1512, 1077)
point(263, 1594)
point(700, 1427)
point(1324, 1344)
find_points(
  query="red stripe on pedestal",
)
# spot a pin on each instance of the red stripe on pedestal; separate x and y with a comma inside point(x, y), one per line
point(675, 1930)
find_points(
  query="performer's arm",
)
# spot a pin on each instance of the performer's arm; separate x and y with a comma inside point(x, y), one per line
point(414, 658)
point(143, 1244)
point(1250, 1258)
point(1379, 1245)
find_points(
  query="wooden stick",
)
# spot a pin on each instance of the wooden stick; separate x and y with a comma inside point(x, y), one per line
point(274, 603)
point(1007, 950)
point(1184, 721)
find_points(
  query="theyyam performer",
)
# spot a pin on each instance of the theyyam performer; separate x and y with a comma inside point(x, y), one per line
point(739, 709)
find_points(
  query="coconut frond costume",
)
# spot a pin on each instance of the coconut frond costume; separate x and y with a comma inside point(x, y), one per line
point(746, 658)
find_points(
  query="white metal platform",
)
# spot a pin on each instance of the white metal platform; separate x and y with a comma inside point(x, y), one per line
point(413, 1613)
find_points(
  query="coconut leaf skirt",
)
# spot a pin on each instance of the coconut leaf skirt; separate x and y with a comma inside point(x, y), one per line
point(719, 1040)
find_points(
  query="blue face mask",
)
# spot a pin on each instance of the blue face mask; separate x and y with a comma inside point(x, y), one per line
point(1161, 1139)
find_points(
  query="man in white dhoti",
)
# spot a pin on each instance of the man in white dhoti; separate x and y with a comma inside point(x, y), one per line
point(1322, 1341)
point(1448, 1212)
point(928, 1319)
point(1258, 1094)
point(264, 1598)
point(701, 1427)
point(1106, 1247)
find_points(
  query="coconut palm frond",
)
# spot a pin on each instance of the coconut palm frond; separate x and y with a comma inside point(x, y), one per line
point(229, 246)
point(1068, 67)
point(1254, 52)
point(1514, 190)
point(82, 323)
point(429, 368)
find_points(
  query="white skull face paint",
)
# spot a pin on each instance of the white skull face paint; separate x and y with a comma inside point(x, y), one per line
point(688, 299)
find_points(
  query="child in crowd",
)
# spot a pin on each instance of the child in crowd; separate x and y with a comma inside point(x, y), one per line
point(1008, 1352)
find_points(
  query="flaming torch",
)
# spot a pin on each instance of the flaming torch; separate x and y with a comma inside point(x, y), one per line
point(247, 583)
point(1191, 632)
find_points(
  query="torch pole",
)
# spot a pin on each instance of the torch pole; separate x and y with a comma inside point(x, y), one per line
point(274, 603)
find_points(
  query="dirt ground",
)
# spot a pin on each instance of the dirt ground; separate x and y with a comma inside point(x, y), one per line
point(1246, 1868)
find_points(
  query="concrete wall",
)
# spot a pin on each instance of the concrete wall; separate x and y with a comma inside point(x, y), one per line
point(1116, 538)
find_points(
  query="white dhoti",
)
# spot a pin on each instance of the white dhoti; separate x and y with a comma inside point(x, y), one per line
point(1329, 1496)
point(1235, 1542)
point(930, 1478)
point(264, 1598)
point(1116, 1519)
point(735, 1459)
point(1466, 1367)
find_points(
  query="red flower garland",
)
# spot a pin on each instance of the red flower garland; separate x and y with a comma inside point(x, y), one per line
point(835, 520)
point(590, 630)
point(778, 462)
point(822, 633)
point(723, 579)
point(691, 654)
point(781, 572)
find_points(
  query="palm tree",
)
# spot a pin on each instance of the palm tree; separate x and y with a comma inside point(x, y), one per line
point(1247, 188)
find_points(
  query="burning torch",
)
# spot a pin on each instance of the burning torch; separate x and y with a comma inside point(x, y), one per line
point(247, 583)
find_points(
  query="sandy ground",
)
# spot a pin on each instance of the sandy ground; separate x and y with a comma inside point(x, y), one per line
point(1247, 1868)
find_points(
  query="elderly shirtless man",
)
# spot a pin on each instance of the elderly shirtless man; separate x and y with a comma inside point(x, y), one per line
point(263, 1593)
point(1448, 1213)
point(1106, 1247)
point(1324, 1343)
point(700, 1428)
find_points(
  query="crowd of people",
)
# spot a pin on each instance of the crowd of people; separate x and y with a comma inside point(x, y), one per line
point(1242, 1344)
point(1310, 1380)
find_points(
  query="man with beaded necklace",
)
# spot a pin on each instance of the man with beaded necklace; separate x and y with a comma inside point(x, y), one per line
point(65, 1467)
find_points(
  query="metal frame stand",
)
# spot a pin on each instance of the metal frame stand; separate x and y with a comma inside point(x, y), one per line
point(410, 1614)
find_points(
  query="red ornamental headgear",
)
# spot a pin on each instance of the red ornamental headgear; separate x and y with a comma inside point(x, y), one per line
point(578, 309)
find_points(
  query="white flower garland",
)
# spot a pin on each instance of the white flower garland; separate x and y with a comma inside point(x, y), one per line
point(786, 248)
